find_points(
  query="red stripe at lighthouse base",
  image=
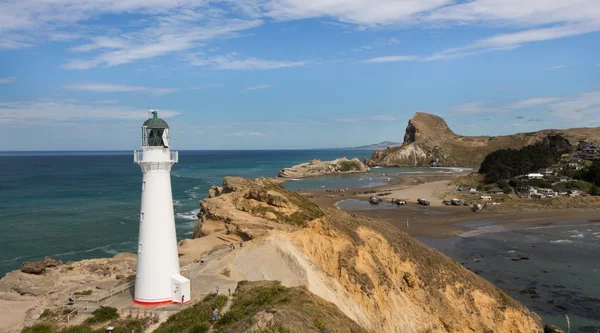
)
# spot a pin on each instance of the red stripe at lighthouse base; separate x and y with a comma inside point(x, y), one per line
point(152, 303)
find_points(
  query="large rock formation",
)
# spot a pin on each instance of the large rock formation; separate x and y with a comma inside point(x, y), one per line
point(429, 141)
point(320, 168)
point(379, 277)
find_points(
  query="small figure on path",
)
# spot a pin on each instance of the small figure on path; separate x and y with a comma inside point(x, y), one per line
point(241, 244)
point(229, 292)
point(215, 314)
point(182, 298)
point(217, 290)
point(71, 300)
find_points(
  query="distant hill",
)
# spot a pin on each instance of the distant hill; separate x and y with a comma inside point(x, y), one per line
point(379, 146)
point(429, 141)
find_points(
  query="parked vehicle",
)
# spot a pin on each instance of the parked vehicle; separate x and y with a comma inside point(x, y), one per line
point(374, 200)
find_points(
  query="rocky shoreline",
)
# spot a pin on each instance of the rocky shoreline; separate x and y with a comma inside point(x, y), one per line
point(315, 168)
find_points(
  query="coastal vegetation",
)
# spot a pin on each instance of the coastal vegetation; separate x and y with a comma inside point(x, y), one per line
point(509, 163)
point(346, 166)
point(195, 318)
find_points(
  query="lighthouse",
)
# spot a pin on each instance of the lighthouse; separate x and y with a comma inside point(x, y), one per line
point(157, 275)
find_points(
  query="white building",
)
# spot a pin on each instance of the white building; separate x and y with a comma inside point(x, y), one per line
point(546, 171)
point(535, 176)
point(157, 274)
point(548, 192)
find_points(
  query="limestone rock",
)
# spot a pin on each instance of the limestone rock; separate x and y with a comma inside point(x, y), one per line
point(33, 267)
point(49, 262)
point(549, 328)
point(428, 141)
point(215, 191)
point(319, 168)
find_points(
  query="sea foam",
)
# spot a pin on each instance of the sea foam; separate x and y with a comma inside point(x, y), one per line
point(561, 241)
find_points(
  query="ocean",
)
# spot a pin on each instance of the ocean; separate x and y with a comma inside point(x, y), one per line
point(78, 205)
point(552, 270)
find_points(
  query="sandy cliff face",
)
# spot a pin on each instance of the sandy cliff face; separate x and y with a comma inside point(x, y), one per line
point(429, 141)
point(377, 276)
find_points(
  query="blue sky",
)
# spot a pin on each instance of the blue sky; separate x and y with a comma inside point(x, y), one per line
point(275, 74)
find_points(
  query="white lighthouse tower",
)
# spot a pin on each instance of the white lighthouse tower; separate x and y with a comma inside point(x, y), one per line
point(157, 277)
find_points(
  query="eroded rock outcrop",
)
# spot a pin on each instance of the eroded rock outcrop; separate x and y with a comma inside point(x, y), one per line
point(251, 208)
point(377, 276)
point(428, 141)
point(320, 168)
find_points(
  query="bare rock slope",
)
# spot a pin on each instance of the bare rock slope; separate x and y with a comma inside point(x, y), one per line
point(429, 141)
point(319, 168)
point(379, 277)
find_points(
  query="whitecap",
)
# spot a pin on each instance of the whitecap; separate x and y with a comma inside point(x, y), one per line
point(176, 203)
point(191, 215)
point(577, 236)
point(561, 241)
point(511, 251)
point(573, 231)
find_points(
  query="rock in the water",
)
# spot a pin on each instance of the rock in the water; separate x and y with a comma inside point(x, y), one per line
point(549, 328)
point(319, 168)
point(33, 267)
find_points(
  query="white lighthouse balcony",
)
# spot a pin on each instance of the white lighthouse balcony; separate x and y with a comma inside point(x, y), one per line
point(155, 159)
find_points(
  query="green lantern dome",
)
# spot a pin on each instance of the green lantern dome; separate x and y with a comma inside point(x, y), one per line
point(155, 122)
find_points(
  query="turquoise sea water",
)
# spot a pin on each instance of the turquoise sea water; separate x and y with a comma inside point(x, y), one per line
point(76, 205)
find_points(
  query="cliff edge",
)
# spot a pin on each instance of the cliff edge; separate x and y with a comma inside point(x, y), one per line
point(377, 276)
point(428, 141)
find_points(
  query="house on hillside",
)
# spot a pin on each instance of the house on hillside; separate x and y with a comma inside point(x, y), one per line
point(535, 176)
point(546, 171)
point(589, 153)
point(575, 193)
point(575, 159)
point(564, 179)
point(527, 191)
point(547, 192)
point(496, 190)
point(574, 166)
point(562, 191)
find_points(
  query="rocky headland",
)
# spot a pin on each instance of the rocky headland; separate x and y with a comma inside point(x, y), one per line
point(319, 168)
point(428, 141)
point(379, 277)
point(337, 273)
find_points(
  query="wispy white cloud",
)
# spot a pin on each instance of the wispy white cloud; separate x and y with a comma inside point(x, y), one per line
point(554, 67)
point(257, 87)
point(471, 108)
point(395, 58)
point(534, 101)
point(380, 42)
point(231, 62)
point(7, 80)
point(70, 111)
point(113, 88)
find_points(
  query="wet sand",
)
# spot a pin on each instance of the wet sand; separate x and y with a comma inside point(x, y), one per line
point(437, 220)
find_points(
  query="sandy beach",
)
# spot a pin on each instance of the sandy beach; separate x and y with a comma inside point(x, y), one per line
point(439, 220)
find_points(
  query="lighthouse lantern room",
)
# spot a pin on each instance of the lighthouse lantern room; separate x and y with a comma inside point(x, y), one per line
point(157, 275)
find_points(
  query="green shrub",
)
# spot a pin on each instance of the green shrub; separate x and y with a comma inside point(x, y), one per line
point(102, 315)
point(47, 313)
point(78, 329)
point(83, 293)
point(320, 323)
point(257, 299)
point(39, 328)
point(195, 318)
point(349, 166)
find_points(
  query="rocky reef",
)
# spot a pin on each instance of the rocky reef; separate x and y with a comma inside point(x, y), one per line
point(428, 141)
point(320, 168)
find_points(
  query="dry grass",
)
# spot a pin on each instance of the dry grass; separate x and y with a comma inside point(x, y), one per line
point(473, 179)
point(532, 204)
